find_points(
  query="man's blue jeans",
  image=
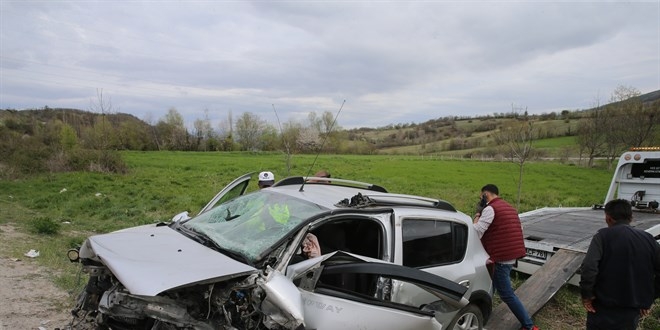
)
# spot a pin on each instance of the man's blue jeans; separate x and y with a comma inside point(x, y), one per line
point(502, 283)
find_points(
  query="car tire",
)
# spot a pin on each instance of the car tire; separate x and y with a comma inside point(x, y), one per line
point(468, 318)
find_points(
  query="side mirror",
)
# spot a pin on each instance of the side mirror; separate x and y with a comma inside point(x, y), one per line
point(181, 216)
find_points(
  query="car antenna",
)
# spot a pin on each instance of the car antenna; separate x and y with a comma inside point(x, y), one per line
point(322, 144)
point(286, 143)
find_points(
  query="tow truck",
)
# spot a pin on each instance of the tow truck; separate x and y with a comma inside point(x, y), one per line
point(547, 230)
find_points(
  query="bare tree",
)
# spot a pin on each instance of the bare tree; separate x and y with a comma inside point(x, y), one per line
point(314, 121)
point(327, 123)
point(288, 151)
point(516, 138)
point(589, 140)
point(636, 121)
point(226, 133)
point(148, 118)
point(591, 133)
point(629, 123)
point(325, 126)
point(102, 105)
point(203, 132)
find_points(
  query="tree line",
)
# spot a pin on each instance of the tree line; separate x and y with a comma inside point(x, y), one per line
point(626, 121)
point(67, 139)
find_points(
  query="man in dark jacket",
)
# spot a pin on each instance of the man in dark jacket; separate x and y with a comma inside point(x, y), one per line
point(620, 276)
point(501, 234)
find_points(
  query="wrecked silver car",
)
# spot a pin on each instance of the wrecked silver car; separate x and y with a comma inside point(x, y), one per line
point(387, 261)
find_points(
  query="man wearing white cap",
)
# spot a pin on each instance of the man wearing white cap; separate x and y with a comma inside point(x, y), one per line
point(266, 179)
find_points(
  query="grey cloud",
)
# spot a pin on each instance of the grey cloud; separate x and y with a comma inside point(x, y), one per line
point(391, 61)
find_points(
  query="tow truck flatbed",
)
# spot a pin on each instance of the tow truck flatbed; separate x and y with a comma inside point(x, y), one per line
point(547, 230)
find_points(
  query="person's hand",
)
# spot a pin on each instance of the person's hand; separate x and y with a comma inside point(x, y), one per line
point(310, 246)
point(644, 312)
point(589, 304)
point(476, 218)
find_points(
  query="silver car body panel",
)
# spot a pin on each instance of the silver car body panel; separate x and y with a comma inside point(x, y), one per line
point(329, 312)
point(326, 311)
point(283, 302)
point(151, 259)
point(472, 274)
point(298, 269)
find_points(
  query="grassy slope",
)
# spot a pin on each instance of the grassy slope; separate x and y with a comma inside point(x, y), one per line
point(162, 184)
point(553, 146)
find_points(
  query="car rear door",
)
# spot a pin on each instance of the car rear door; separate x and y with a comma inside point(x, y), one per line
point(435, 245)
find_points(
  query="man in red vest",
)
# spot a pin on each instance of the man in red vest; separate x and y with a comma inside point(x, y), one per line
point(501, 234)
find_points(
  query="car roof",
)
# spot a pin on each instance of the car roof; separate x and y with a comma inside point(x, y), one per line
point(340, 193)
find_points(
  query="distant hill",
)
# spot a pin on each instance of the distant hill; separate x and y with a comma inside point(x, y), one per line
point(458, 135)
point(440, 135)
point(72, 117)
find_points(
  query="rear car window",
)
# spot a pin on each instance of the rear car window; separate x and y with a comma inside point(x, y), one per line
point(433, 242)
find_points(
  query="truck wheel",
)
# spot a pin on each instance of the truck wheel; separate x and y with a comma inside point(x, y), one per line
point(468, 318)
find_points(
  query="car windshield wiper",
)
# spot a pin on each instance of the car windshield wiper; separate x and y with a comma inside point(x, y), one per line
point(230, 217)
point(204, 239)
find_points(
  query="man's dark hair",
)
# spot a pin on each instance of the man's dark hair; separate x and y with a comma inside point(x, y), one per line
point(619, 210)
point(491, 188)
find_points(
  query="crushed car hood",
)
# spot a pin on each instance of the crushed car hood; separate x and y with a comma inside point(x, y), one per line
point(151, 259)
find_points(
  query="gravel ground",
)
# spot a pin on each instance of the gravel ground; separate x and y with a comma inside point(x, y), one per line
point(28, 298)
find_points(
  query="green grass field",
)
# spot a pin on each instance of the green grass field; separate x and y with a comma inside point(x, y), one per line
point(161, 184)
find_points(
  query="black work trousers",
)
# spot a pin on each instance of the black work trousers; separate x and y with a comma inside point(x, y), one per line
point(613, 318)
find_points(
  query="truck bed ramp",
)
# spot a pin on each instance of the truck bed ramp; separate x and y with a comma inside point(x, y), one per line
point(538, 288)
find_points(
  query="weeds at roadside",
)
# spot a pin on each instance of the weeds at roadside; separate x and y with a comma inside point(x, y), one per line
point(44, 226)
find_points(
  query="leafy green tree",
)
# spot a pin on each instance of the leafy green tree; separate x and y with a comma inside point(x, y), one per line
point(134, 136)
point(270, 140)
point(68, 138)
point(172, 131)
point(249, 130)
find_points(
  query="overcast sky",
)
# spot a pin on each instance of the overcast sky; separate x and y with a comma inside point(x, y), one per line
point(390, 61)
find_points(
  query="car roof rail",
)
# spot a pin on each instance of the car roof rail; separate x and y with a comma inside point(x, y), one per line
point(299, 180)
point(411, 200)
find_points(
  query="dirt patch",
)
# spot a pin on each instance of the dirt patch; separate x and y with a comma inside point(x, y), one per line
point(28, 298)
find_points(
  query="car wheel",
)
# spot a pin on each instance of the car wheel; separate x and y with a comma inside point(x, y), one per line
point(468, 318)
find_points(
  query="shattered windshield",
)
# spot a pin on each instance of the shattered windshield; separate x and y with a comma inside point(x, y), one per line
point(252, 223)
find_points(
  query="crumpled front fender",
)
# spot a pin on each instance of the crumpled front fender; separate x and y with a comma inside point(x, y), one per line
point(283, 304)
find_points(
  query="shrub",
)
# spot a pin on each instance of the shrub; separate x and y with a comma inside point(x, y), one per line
point(58, 162)
point(96, 161)
point(44, 225)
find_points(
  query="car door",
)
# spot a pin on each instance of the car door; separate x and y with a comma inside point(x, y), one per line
point(234, 189)
point(438, 246)
point(365, 230)
point(330, 304)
